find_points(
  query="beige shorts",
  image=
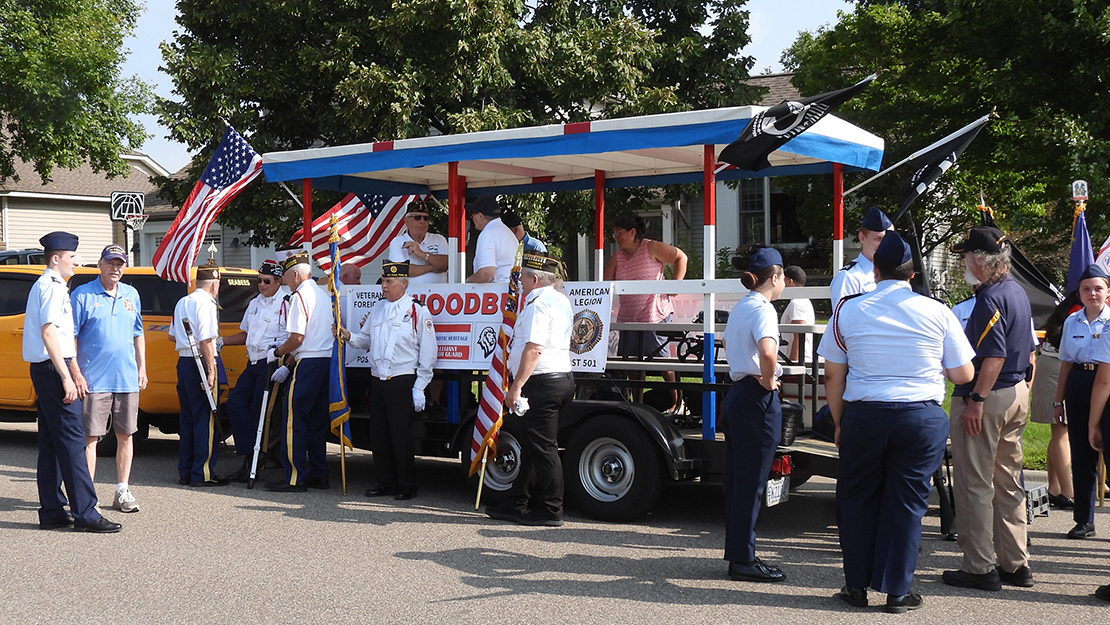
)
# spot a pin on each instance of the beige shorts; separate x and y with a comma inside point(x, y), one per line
point(123, 408)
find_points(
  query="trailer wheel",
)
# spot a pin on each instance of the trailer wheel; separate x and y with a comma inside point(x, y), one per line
point(797, 478)
point(613, 471)
point(501, 471)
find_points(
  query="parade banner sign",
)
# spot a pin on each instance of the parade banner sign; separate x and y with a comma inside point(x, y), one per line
point(467, 316)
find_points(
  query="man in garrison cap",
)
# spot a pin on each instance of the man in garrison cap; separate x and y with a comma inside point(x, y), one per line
point(858, 276)
point(400, 340)
point(542, 383)
point(262, 330)
point(197, 463)
point(887, 354)
point(307, 351)
point(49, 347)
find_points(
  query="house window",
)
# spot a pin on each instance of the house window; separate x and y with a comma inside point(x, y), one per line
point(752, 214)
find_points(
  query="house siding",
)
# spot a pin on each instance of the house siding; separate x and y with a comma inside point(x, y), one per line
point(29, 219)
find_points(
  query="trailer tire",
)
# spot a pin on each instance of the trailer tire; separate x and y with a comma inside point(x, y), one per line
point(613, 470)
point(500, 473)
point(797, 478)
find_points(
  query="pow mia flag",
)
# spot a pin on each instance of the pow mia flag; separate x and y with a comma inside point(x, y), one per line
point(930, 165)
point(770, 129)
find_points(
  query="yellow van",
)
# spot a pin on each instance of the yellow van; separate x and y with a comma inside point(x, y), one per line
point(158, 402)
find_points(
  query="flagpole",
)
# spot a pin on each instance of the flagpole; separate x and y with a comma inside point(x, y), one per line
point(481, 479)
point(979, 122)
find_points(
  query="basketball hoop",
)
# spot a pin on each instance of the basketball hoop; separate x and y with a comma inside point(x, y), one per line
point(136, 222)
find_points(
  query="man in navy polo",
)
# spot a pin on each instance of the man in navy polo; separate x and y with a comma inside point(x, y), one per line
point(111, 356)
point(988, 418)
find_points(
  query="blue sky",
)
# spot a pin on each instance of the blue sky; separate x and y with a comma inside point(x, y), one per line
point(774, 26)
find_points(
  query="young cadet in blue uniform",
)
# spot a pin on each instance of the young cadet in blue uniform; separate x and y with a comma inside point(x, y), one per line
point(261, 331)
point(988, 418)
point(197, 464)
point(539, 362)
point(887, 354)
point(49, 348)
point(751, 413)
point(111, 354)
point(858, 276)
point(400, 339)
point(1098, 423)
point(1083, 329)
point(308, 322)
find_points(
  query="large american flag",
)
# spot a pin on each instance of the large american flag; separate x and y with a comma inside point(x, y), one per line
point(365, 225)
point(487, 423)
point(232, 167)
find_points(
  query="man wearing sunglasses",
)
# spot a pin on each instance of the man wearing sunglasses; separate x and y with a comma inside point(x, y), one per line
point(425, 252)
point(260, 332)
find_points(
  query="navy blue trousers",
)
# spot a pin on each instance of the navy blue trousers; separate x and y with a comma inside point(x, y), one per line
point(888, 454)
point(61, 452)
point(391, 413)
point(197, 450)
point(244, 404)
point(1084, 459)
point(752, 418)
point(303, 440)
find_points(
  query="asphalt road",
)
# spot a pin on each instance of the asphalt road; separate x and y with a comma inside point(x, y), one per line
point(232, 555)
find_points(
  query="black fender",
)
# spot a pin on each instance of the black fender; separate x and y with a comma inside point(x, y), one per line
point(666, 436)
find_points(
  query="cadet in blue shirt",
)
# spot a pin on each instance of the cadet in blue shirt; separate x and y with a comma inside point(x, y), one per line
point(988, 418)
point(111, 355)
point(751, 413)
point(1083, 329)
point(887, 354)
point(49, 348)
point(858, 276)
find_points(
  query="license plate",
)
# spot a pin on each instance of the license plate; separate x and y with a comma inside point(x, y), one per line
point(778, 491)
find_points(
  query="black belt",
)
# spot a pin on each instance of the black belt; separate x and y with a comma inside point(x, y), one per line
point(256, 362)
point(1086, 366)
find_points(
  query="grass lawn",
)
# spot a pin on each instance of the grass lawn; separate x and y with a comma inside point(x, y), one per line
point(1035, 443)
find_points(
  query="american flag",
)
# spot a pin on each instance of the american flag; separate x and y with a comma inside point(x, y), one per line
point(232, 167)
point(488, 420)
point(366, 225)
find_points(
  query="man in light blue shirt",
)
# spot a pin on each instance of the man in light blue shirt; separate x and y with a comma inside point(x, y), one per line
point(111, 356)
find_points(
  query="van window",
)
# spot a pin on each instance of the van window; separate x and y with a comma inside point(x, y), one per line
point(14, 289)
point(156, 296)
point(236, 292)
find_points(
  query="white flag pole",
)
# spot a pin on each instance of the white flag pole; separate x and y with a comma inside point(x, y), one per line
point(975, 124)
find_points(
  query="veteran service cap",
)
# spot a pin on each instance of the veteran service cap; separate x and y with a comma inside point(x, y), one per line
point(294, 259)
point(395, 270)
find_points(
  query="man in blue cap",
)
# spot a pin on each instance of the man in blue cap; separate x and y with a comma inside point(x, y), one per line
point(49, 347)
point(858, 276)
point(887, 354)
point(111, 355)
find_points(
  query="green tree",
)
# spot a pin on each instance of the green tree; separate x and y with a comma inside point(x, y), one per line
point(1041, 65)
point(291, 75)
point(62, 98)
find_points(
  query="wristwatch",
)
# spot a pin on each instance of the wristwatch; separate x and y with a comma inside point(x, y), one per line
point(977, 397)
point(1057, 404)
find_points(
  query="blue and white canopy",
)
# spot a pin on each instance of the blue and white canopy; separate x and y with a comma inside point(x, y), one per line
point(634, 151)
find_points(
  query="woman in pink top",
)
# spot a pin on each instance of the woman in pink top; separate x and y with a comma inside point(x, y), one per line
point(643, 259)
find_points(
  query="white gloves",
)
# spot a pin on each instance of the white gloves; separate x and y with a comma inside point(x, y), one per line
point(219, 343)
point(520, 407)
point(271, 356)
point(281, 375)
point(418, 400)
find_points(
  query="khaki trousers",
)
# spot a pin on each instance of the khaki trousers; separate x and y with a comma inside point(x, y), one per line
point(990, 500)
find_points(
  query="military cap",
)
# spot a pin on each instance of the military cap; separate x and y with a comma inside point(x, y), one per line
point(417, 206)
point(208, 273)
point(875, 220)
point(542, 262)
point(986, 239)
point(271, 268)
point(113, 251)
point(1094, 270)
point(395, 270)
point(300, 258)
point(764, 258)
point(510, 219)
point(59, 241)
point(893, 249)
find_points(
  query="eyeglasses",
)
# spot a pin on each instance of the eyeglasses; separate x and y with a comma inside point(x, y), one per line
point(266, 281)
point(419, 217)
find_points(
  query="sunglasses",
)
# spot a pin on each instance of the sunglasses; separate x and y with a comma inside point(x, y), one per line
point(419, 217)
point(266, 281)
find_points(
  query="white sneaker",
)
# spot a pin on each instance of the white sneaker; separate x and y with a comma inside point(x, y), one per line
point(124, 501)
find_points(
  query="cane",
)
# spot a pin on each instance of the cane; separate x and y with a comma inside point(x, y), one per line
point(263, 413)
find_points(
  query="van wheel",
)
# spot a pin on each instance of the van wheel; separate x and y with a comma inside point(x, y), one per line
point(613, 471)
point(501, 471)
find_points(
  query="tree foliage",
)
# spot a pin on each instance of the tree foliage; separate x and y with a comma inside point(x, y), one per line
point(63, 101)
point(1040, 64)
point(298, 74)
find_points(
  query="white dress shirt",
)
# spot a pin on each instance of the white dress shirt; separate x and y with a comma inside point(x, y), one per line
point(496, 248)
point(262, 323)
point(400, 339)
point(203, 314)
point(546, 321)
point(308, 313)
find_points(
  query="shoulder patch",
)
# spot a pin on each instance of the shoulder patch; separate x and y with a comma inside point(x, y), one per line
point(849, 265)
point(852, 296)
point(429, 327)
point(418, 302)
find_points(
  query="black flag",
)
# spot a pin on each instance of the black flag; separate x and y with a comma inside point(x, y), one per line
point(770, 129)
point(929, 166)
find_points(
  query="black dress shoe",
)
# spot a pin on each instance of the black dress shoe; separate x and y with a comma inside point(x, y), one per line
point(409, 492)
point(755, 571)
point(215, 481)
point(1082, 530)
point(183, 481)
point(382, 491)
point(903, 604)
point(979, 581)
point(1103, 592)
point(281, 486)
point(321, 483)
point(532, 519)
point(502, 514)
point(242, 475)
point(854, 596)
point(99, 526)
point(1061, 502)
point(54, 525)
point(1022, 577)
